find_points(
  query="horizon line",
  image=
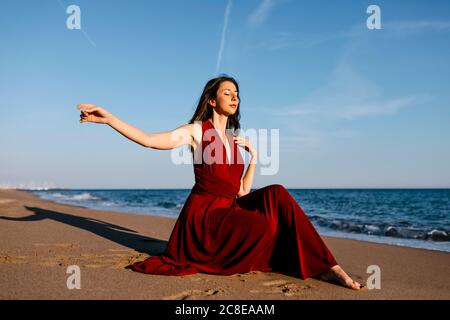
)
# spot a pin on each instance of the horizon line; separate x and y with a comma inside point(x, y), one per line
point(189, 188)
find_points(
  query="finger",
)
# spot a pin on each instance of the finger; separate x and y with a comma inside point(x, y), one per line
point(93, 109)
point(87, 111)
point(86, 106)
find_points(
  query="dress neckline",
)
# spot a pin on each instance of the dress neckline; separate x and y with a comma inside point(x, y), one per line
point(227, 156)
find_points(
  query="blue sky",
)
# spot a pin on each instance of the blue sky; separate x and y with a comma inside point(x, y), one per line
point(355, 107)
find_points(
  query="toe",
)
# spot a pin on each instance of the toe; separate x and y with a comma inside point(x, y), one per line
point(357, 285)
point(354, 285)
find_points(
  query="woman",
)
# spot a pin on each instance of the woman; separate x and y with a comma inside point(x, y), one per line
point(223, 228)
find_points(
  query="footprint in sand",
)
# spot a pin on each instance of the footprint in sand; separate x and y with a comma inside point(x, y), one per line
point(6, 258)
point(5, 201)
point(274, 283)
point(246, 276)
point(122, 250)
point(187, 294)
point(117, 259)
point(57, 245)
point(284, 287)
point(112, 259)
point(94, 266)
point(196, 279)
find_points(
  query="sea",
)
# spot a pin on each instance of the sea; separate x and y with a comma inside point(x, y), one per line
point(417, 218)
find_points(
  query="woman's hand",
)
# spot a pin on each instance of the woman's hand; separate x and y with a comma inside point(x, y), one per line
point(246, 144)
point(92, 113)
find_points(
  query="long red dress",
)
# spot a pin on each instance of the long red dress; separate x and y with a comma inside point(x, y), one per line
point(217, 233)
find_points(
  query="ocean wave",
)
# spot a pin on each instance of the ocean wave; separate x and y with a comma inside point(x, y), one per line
point(75, 197)
point(109, 204)
point(383, 229)
point(167, 204)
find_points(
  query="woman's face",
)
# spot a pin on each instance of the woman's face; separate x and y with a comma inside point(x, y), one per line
point(227, 99)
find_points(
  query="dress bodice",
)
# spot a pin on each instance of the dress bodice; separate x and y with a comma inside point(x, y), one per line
point(214, 173)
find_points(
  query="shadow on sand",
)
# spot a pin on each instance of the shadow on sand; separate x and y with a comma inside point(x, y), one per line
point(123, 236)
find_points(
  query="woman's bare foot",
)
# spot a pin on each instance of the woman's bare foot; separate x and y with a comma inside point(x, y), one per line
point(337, 274)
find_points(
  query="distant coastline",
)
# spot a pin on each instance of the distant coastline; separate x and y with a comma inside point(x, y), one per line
point(34, 189)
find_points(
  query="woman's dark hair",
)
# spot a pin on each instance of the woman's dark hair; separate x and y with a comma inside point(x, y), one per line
point(204, 109)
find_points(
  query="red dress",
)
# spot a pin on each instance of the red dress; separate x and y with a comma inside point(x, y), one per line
point(217, 233)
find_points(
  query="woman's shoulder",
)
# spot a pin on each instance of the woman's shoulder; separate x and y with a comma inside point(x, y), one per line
point(195, 129)
point(197, 125)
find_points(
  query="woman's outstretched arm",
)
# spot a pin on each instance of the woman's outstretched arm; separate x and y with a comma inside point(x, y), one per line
point(161, 141)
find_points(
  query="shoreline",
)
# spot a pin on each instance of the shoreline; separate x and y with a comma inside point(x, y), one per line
point(41, 238)
point(441, 246)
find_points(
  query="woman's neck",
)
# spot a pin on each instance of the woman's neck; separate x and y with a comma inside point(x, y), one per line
point(220, 123)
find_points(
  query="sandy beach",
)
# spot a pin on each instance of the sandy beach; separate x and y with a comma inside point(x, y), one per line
point(40, 239)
